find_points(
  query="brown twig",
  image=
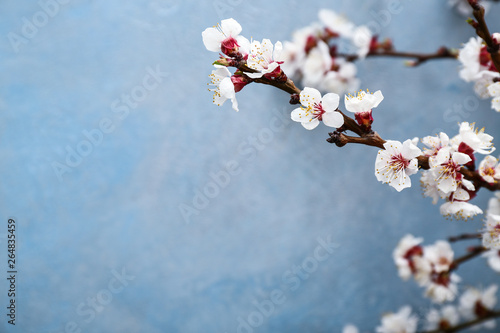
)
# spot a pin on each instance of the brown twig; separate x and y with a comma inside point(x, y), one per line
point(490, 315)
point(441, 53)
point(453, 239)
point(483, 32)
point(474, 252)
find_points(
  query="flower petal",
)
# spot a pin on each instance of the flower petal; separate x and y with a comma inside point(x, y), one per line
point(311, 124)
point(330, 102)
point(333, 119)
point(309, 97)
point(230, 27)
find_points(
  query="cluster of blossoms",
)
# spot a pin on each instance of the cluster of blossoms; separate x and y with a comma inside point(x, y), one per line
point(473, 304)
point(430, 266)
point(446, 158)
point(261, 59)
point(478, 67)
point(321, 54)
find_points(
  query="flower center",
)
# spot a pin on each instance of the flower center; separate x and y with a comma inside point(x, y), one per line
point(316, 110)
point(485, 59)
point(398, 163)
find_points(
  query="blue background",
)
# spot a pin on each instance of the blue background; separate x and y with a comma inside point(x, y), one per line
point(119, 208)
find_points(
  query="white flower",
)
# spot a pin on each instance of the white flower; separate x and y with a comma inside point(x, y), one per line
point(362, 39)
point(443, 287)
point(224, 87)
point(363, 102)
point(430, 187)
point(434, 144)
point(493, 257)
point(476, 304)
point(336, 23)
point(341, 80)
point(494, 91)
point(350, 329)
point(396, 163)
point(469, 56)
point(401, 322)
point(445, 167)
point(317, 63)
point(494, 204)
point(459, 210)
point(491, 236)
point(263, 58)
point(225, 38)
point(315, 108)
point(446, 318)
point(489, 169)
point(403, 255)
point(479, 141)
point(440, 255)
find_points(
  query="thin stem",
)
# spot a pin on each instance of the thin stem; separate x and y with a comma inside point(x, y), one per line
point(483, 32)
point(441, 53)
point(474, 252)
point(490, 315)
point(463, 237)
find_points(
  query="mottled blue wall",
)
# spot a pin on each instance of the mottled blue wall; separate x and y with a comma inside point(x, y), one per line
point(116, 210)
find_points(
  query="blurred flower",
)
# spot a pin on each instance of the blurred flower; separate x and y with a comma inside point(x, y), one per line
point(401, 322)
point(477, 304)
point(403, 255)
point(493, 258)
point(494, 91)
point(350, 329)
point(442, 319)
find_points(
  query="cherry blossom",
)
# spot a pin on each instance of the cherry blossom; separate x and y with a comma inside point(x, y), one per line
point(443, 287)
point(479, 141)
point(475, 303)
point(396, 163)
point(494, 91)
point(440, 255)
point(489, 169)
point(491, 234)
point(362, 39)
point(493, 258)
point(350, 329)
point(401, 322)
point(316, 108)
point(263, 58)
point(475, 64)
point(446, 169)
point(447, 317)
point(223, 86)
point(363, 101)
point(225, 37)
point(404, 254)
point(459, 210)
point(336, 23)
